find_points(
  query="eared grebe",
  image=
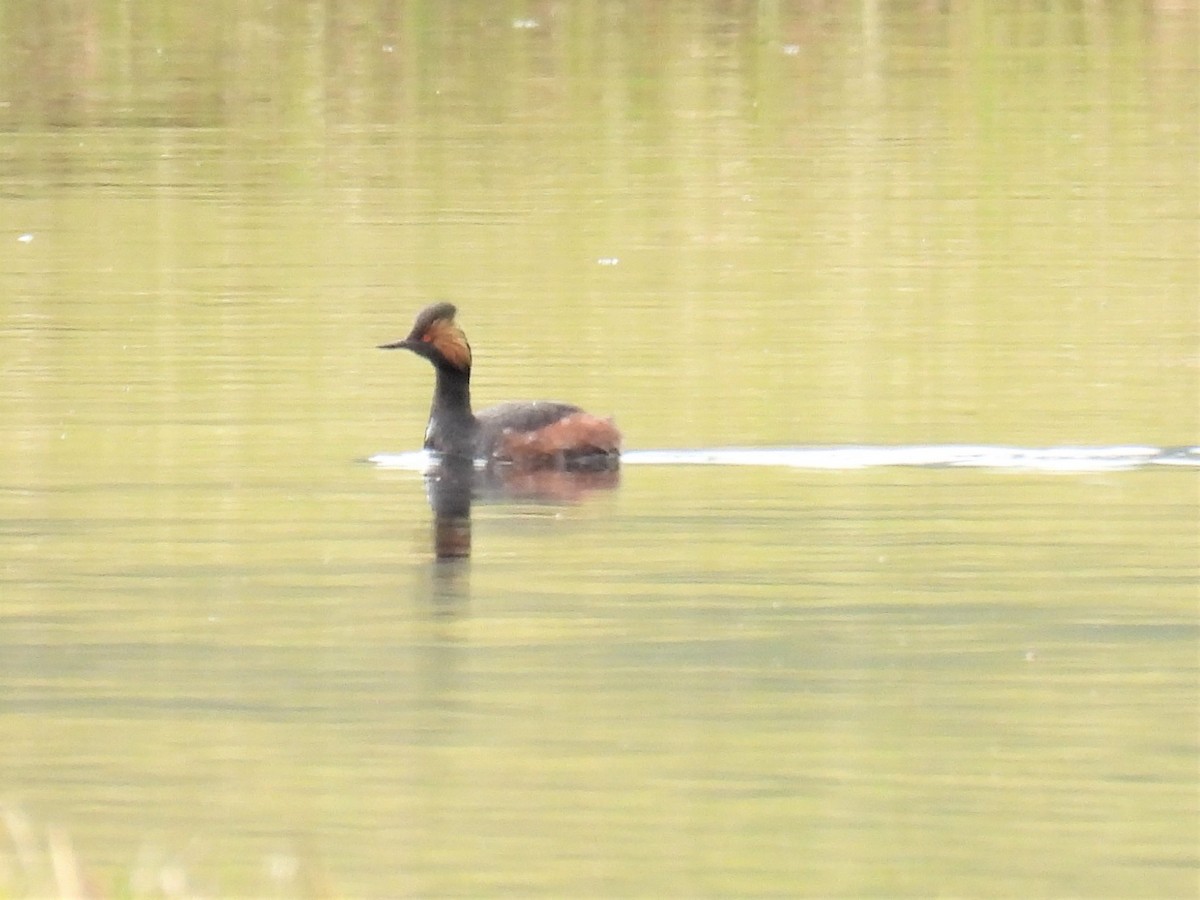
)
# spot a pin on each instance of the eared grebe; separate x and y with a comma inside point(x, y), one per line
point(529, 435)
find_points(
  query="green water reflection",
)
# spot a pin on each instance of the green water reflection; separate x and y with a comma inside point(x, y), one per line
point(224, 643)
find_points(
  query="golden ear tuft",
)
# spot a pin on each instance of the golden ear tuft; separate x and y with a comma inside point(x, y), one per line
point(448, 339)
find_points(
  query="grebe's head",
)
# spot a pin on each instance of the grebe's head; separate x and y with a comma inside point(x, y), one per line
point(436, 336)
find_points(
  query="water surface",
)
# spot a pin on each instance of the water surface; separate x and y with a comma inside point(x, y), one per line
point(937, 267)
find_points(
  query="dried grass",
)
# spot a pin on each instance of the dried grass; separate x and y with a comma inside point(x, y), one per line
point(41, 862)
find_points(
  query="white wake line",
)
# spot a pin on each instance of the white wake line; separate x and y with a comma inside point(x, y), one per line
point(1035, 459)
point(1047, 459)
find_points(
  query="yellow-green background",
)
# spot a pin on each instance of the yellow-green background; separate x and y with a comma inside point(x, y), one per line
point(726, 224)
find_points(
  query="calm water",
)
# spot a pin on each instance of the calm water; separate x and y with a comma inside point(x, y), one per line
point(229, 657)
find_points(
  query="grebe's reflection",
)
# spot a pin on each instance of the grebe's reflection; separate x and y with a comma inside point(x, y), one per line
point(454, 484)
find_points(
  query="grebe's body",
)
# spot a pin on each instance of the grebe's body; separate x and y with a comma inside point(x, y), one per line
point(529, 435)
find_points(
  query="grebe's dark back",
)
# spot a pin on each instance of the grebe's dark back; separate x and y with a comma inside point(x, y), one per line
point(529, 435)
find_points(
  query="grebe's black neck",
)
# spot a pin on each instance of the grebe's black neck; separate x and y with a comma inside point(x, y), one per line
point(452, 426)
